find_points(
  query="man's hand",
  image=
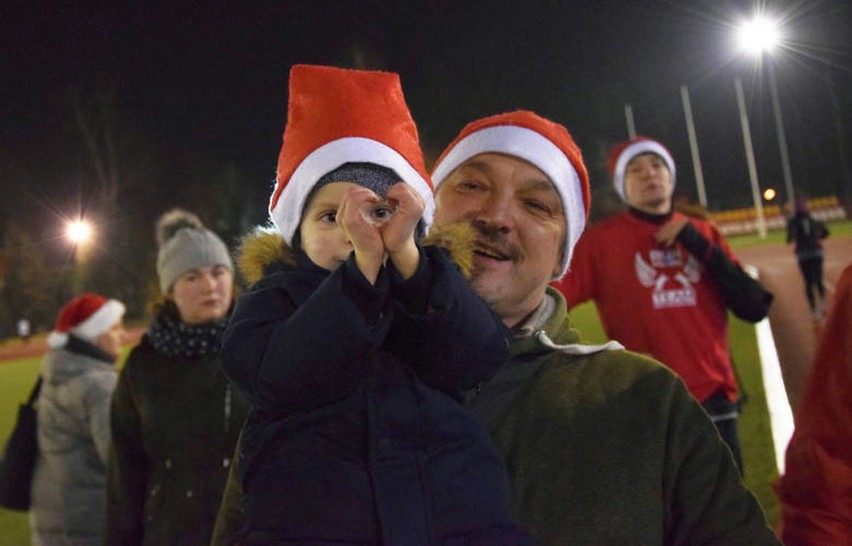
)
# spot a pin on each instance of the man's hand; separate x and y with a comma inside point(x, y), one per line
point(669, 231)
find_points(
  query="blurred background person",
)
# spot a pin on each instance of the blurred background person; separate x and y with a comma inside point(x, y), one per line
point(24, 330)
point(78, 377)
point(175, 418)
point(806, 232)
point(814, 492)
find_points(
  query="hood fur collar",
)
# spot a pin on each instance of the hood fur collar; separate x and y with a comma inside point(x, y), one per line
point(265, 246)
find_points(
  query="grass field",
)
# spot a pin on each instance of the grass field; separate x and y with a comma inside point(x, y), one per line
point(16, 379)
point(839, 228)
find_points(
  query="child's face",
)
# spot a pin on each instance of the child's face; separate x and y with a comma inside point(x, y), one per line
point(323, 240)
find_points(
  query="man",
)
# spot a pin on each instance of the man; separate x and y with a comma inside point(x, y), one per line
point(662, 282)
point(602, 445)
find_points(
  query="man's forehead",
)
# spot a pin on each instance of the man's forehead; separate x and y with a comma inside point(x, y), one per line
point(649, 155)
point(490, 164)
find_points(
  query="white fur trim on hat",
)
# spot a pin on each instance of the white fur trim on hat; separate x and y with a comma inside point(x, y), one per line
point(536, 149)
point(98, 322)
point(287, 214)
point(639, 147)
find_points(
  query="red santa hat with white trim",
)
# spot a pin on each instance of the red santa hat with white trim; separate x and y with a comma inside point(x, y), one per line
point(543, 143)
point(622, 153)
point(86, 316)
point(337, 116)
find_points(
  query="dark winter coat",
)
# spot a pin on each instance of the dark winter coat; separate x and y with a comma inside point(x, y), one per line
point(357, 434)
point(175, 422)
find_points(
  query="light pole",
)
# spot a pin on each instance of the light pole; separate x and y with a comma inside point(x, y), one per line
point(631, 124)
point(756, 37)
point(752, 168)
point(693, 146)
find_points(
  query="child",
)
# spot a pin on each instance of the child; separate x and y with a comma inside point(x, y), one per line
point(356, 344)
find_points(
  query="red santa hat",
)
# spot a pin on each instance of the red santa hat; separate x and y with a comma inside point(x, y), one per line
point(337, 116)
point(87, 316)
point(622, 153)
point(541, 142)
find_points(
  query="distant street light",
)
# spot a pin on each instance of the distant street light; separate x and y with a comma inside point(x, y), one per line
point(79, 232)
point(756, 37)
point(769, 194)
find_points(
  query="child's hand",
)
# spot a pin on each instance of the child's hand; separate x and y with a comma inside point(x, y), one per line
point(398, 232)
point(365, 238)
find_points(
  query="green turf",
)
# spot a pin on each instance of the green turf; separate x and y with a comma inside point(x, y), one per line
point(754, 427)
point(16, 380)
point(837, 228)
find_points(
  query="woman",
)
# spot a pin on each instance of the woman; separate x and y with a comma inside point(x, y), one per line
point(175, 419)
point(78, 377)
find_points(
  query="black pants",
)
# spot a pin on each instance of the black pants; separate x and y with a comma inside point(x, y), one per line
point(724, 414)
point(812, 272)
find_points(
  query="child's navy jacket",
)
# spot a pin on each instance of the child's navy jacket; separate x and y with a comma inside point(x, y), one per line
point(357, 434)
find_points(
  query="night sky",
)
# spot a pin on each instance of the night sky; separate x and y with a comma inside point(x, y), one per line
point(201, 87)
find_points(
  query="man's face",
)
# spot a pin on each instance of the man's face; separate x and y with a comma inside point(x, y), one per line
point(648, 184)
point(520, 226)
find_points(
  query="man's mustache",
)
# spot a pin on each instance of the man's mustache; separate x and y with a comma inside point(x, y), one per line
point(492, 241)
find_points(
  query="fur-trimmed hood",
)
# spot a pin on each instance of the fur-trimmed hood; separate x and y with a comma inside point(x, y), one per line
point(265, 246)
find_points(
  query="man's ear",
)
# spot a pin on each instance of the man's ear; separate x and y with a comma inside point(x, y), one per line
point(557, 267)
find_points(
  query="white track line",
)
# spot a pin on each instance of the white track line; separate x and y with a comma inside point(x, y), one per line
point(777, 403)
point(780, 414)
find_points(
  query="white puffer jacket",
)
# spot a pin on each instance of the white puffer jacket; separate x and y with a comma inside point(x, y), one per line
point(68, 490)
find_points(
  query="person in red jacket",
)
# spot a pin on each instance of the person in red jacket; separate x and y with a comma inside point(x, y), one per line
point(662, 282)
point(815, 492)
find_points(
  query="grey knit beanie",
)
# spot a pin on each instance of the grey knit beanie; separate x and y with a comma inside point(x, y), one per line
point(185, 244)
point(370, 175)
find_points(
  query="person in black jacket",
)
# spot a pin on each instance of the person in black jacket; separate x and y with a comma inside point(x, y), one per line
point(356, 344)
point(174, 417)
point(806, 232)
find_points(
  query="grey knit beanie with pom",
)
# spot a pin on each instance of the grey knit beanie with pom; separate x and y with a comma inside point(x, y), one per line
point(185, 244)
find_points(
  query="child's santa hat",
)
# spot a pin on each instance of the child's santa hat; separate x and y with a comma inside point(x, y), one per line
point(541, 142)
point(622, 153)
point(87, 316)
point(337, 116)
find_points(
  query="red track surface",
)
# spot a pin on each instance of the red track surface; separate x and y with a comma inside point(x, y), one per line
point(794, 330)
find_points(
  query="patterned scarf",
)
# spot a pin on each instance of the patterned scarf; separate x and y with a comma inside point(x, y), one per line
point(172, 337)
